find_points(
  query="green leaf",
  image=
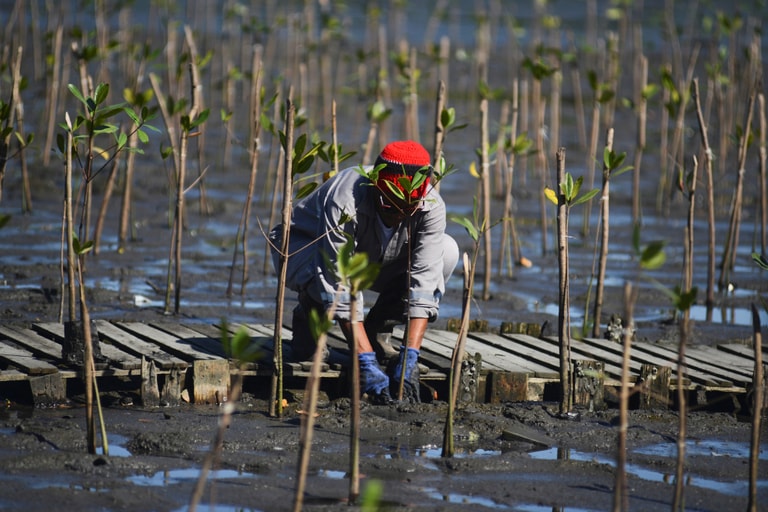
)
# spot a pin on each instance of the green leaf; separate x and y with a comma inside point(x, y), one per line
point(468, 225)
point(101, 93)
point(653, 256)
point(760, 260)
point(4, 219)
point(76, 93)
point(587, 196)
point(306, 190)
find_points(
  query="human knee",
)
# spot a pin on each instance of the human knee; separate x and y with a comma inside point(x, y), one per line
point(450, 255)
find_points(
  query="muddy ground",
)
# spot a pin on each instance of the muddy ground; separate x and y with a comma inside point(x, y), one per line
point(155, 458)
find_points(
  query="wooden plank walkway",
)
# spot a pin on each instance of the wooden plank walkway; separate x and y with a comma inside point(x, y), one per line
point(511, 366)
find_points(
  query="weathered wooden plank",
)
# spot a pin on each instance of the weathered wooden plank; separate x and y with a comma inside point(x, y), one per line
point(138, 347)
point(740, 364)
point(25, 361)
point(263, 334)
point(507, 343)
point(658, 360)
point(204, 343)
point(170, 343)
point(695, 359)
point(32, 341)
point(742, 351)
point(612, 362)
point(12, 375)
point(535, 349)
point(443, 342)
point(117, 358)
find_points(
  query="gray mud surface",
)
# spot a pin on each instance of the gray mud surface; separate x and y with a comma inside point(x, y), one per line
point(156, 456)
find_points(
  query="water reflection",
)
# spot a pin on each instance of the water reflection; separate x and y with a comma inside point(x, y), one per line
point(709, 448)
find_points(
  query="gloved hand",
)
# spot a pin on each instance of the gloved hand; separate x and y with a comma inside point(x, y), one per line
point(373, 381)
point(411, 383)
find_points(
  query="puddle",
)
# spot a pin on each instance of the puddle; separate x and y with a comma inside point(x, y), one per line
point(332, 474)
point(116, 446)
point(466, 499)
point(432, 451)
point(177, 476)
point(703, 448)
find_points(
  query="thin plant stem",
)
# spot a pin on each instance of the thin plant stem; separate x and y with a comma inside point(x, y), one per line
point(605, 233)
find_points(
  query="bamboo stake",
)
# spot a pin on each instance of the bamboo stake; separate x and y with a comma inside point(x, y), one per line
point(564, 316)
point(457, 356)
point(242, 230)
point(678, 502)
point(729, 251)
point(5, 143)
point(710, 301)
point(605, 231)
point(508, 234)
point(354, 421)
point(620, 490)
point(101, 217)
point(758, 405)
point(763, 173)
point(199, 106)
point(276, 394)
point(439, 139)
point(309, 411)
point(500, 167)
point(486, 184)
point(642, 116)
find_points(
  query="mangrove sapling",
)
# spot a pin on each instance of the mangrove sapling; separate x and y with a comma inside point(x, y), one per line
point(240, 349)
point(516, 146)
point(566, 198)
point(758, 408)
point(486, 188)
point(708, 157)
point(457, 356)
point(355, 273)
point(196, 63)
point(539, 70)
point(188, 126)
point(241, 238)
point(319, 325)
point(611, 168)
point(297, 162)
point(763, 172)
point(601, 94)
point(377, 114)
point(11, 128)
point(476, 228)
point(93, 123)
point(620, 490)
point(276, 393)
point(734, 225)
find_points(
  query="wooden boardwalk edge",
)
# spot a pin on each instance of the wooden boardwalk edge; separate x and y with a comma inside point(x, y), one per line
point(511, 367)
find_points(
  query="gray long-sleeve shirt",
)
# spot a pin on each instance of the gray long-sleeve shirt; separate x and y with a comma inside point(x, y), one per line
point(314, 233)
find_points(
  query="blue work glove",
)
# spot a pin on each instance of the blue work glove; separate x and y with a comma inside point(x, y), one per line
point(411, 383)
point(373, 381)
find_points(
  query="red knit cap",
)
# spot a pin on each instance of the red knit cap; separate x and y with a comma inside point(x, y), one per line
point(403, 157)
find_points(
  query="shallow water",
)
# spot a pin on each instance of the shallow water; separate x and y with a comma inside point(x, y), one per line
point(712, 448)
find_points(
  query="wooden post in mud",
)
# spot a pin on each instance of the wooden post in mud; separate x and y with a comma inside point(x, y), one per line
point(276, 394)
point(655, 382)
point(563, 329)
